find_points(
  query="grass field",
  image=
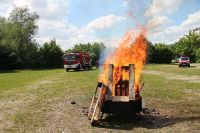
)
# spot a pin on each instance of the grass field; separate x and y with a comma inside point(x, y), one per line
point(40, 101)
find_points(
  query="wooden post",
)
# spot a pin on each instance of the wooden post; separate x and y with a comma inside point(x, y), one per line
point(131, 82)
point(110, 80)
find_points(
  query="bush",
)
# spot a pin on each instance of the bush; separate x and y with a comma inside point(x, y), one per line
point(163, 55)
point(93, 49)
point(7, 58)
point(160, 53)
point(188, 45)
point(198, 55)
point(50, 55)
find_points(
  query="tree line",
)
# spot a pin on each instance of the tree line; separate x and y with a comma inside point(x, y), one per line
point(188, 45)
point(158, 53)
point(19, 49)
point(94, 49)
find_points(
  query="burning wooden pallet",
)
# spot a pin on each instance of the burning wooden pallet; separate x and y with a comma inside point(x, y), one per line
point(116, 94)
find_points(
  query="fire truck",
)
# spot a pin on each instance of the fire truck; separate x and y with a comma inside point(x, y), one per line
point(77, 61)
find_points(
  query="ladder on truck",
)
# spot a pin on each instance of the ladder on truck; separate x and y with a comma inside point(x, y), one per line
point(97, 103)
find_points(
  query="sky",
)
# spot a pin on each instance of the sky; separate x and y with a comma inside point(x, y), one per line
point(81, 21)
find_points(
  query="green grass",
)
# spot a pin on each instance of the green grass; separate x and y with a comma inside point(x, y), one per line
point(17, 78)
point(174, 69)
point(39, 100)
point(183, 95)
point(176, 91)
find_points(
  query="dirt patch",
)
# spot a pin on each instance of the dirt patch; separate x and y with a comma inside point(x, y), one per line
point(10, 106)
point(62, 117)
point(185, 78)
point(173, 76)
point(150, 118)
point(196, 65)
point(36, 85)
point(18, 101)
point(153, 72)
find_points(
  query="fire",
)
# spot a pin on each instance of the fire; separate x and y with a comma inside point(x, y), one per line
point(130, 51)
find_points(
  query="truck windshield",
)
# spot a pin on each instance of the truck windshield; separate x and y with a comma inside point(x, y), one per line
point(184, 58)
point(70, 57)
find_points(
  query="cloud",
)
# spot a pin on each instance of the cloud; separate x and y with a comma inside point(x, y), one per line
point(192, 20)
point(53, 22)
point(104, 22)
point(157, 23)
point(68, 35)
point(172, 33)
point(162, 7)
point(50, 9)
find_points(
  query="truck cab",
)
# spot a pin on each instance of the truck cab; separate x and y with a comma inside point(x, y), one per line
point(77, 61)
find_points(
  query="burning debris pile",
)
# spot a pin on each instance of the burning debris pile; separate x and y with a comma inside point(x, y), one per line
point(119, 84)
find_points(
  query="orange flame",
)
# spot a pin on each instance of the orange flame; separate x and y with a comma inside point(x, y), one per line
point(130, 51)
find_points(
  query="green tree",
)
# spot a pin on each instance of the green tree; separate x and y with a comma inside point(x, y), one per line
point(161, 53)
point(150, 53)
point(18, 49)
point(187, 45)
point(93, 49)
point(198, 55)
point(51, 55)
point(7, 58)
point(2, 29)
point(22, 26)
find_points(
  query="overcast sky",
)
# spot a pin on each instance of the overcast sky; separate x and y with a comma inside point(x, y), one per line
point(74, 21)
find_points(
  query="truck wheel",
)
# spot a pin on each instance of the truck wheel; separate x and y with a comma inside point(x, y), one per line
point(87, 68)
point(188, 65)
point(94, 123)
point(78, 68)
point(67, 70)
point(84, 68)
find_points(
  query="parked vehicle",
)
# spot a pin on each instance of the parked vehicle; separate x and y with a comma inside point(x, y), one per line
point(77, 61)
point(184, 61)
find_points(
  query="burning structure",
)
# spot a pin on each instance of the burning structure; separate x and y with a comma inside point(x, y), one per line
point(118, 89)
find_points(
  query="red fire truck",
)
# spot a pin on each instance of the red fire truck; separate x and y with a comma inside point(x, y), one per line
point(77, 61)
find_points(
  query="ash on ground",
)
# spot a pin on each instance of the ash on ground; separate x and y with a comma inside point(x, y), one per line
point(85, 111)
point(149, 111)
point(145, 111)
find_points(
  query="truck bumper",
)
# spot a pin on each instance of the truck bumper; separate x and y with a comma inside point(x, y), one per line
point(71, 66)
